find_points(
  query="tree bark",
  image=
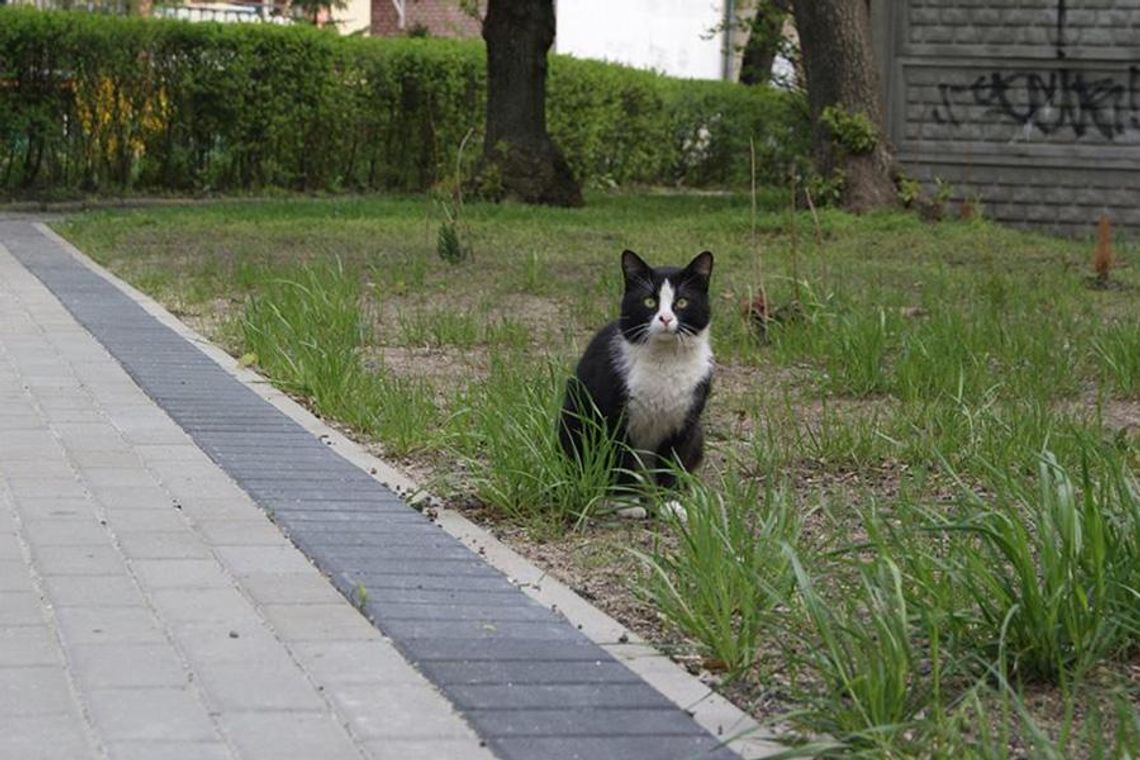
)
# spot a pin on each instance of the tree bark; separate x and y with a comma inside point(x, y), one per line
point(530, 166)
point(839, 64)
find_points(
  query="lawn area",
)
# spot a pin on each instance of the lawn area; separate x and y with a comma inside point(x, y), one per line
point(918, 528)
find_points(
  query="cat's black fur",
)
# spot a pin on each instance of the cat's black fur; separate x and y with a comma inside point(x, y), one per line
point(603, 382)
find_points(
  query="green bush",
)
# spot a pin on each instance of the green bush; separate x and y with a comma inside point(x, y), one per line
point(97, 104)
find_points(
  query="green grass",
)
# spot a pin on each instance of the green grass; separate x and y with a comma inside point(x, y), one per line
point(921, 504)
point(726, 571)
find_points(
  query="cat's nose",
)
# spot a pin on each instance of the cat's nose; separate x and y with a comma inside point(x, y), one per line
point(665, 319)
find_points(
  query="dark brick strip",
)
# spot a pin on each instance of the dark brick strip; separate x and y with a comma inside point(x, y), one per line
point(530, 683)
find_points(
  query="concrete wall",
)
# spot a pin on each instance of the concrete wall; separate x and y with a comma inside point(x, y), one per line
point(1031, 105)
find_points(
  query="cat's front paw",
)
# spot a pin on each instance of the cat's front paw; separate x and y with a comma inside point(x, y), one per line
point(631, 513)
point(674, 509)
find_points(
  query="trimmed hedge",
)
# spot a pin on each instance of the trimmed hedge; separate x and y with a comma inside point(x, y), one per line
point(93, 104)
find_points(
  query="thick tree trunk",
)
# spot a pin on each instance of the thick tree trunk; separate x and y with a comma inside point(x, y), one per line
point(839, 63)
point(531, 167)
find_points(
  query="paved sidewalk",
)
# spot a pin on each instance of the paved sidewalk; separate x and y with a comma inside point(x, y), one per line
point(151, 609)
point(148, 608)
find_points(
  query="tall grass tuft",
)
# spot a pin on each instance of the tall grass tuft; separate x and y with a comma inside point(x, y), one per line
point(510, 447)
point(859, 650)
point(1055, 574)
point(1118, 357)
point(726, 573)
point(307, 333)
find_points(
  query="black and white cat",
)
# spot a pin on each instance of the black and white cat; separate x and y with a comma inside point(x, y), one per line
point(648, 374)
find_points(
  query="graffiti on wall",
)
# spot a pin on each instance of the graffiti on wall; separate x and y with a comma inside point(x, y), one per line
point(1050, 100)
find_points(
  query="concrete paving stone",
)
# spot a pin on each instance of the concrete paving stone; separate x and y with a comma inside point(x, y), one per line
point(249, 641)
point(77, 560)
point(51, 508)
point(290, 588)
point(45, 737)
point(396, 537)
point(117, 665)
point(73, 416)
point(404, 711)
point(78, 531)
point(20, 608)
point(222, 606)
point(475, 629)
point(373, 516)
point(402, 580)
point(165, 519)
point(580, 649)
point(28, 645)
point(248, 532)
point(15, 575)
point(504, 672)
point(90, 436)
point(242, 560)
point(150, 433)
point(561, 696)
point(93, 591)
point(167, 750)
point(10, 422)
point(404, 749)
point(148, 544)
point(50, 468)
point(318, 622)
point(100, 625)
point(87, 460)
point(203, 488)
point(567, 721)
point(63, 486)
point(612, 748)
point(289, 736)
point(253, 686)
point(362, 551)
point(245, 668)
point(132, 497)
point(345, 497)
point(10, 547)
point(376, 661)
point(385, 596)
point(36, 690)
point(198, 509)
point(124, 477)
point(180, 573)
point(172, 453)
point(168, 714)
point(422, 566)
point(475, 612)
point(27, 446)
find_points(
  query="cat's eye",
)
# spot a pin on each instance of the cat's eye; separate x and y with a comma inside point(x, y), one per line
point(681, 303)
point(650, 302)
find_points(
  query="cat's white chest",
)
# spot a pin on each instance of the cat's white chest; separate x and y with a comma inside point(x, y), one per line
point(660, 379)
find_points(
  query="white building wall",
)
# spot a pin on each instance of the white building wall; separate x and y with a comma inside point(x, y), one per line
point(671, 36)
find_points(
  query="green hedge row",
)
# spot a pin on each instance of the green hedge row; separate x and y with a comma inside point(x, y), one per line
point(94, 104)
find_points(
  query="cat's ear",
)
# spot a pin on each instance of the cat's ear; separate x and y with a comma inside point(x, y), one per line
point(634, 268)
point(701, 266)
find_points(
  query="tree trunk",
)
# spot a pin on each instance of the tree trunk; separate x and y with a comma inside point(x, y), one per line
point(530, 166)
point(765, 33)
point(839, 64)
